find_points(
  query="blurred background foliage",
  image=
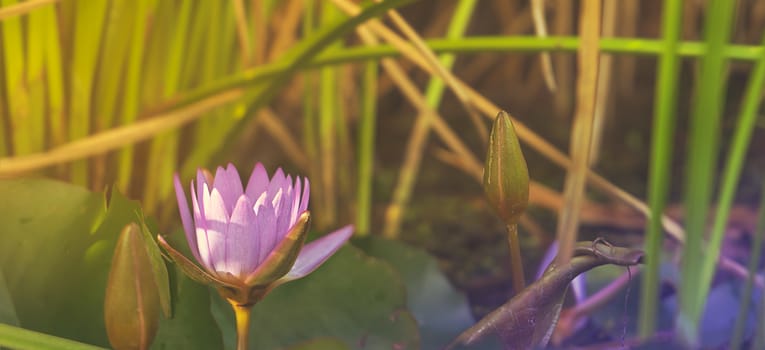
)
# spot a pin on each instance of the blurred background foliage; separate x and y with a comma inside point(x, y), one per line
point(127, 92)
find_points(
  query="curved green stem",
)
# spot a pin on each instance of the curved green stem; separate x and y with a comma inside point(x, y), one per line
point(510, 44)
point(519, 281)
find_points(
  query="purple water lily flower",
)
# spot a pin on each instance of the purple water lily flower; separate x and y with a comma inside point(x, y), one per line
point(250, 240)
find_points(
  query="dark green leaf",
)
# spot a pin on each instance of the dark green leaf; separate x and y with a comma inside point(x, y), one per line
point(321, 344)
point(355, 298)
point(7, 310)
point(441, 311)
point(24, 339)
point(192, 326)
point(58, 241)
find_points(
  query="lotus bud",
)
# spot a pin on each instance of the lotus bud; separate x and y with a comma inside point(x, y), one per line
point(505, 176)
point(132, 302)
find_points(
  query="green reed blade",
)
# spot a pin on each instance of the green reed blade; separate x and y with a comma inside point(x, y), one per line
point(178, 44)
point(117, 39)
point(700, 170)
point(418, 137)
point(162, 153)
point(191, 73)
point(366, 148)
point(4, 148)
point(299, 55)
point(310, 102)
point(15, 83)
point(264, 74)
point(153, 71)
point(212, 129)
point(731, 174)
point(456, 30)
point(665, 108)
point(755, 252)
point(328, 89)
point(195, 47)
point(118, 29)
point(292, 61)
point(88, 27)
point(54, 77)
point(35, 79)
point(530, 44)
point(131, 94)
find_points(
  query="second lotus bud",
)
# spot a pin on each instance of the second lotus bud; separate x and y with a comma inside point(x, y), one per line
point(505, 175)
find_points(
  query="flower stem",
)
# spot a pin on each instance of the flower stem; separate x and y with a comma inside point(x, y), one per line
point(242, 313)
point(519, 282)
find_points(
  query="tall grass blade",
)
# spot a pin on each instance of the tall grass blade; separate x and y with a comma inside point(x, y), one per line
point(310, 103)
point(167, 145)
point(35, 79)
point(366, 148)
point(131, 95)
point(328, 89)
point(300, 55)
point(744, 310)
point(730, 179)
point(418, 137)
point(702, 161)
point(117, 37)
point(219, 52)
point(88, 28)
point(163, 74)
point(118, 29)
point(665, 107)
point(16, 88)
point(54, 78)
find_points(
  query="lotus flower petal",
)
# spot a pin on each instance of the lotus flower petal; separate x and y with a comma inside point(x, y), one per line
point(317, 252)
point(232, 230)
point(183, 209)
point(203, 185)
point(265, 227)
point(201, 231)
point(258, 182)
point(241, 244)
point(295, 202)
point(217, 222)
point(229, 185)
point(306, 194)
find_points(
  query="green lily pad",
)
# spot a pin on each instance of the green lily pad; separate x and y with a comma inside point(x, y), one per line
point(441, 311)
point(354, 298)
point(192, 326)
point(58, 241)
point(7, 310)
point(321, 344)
